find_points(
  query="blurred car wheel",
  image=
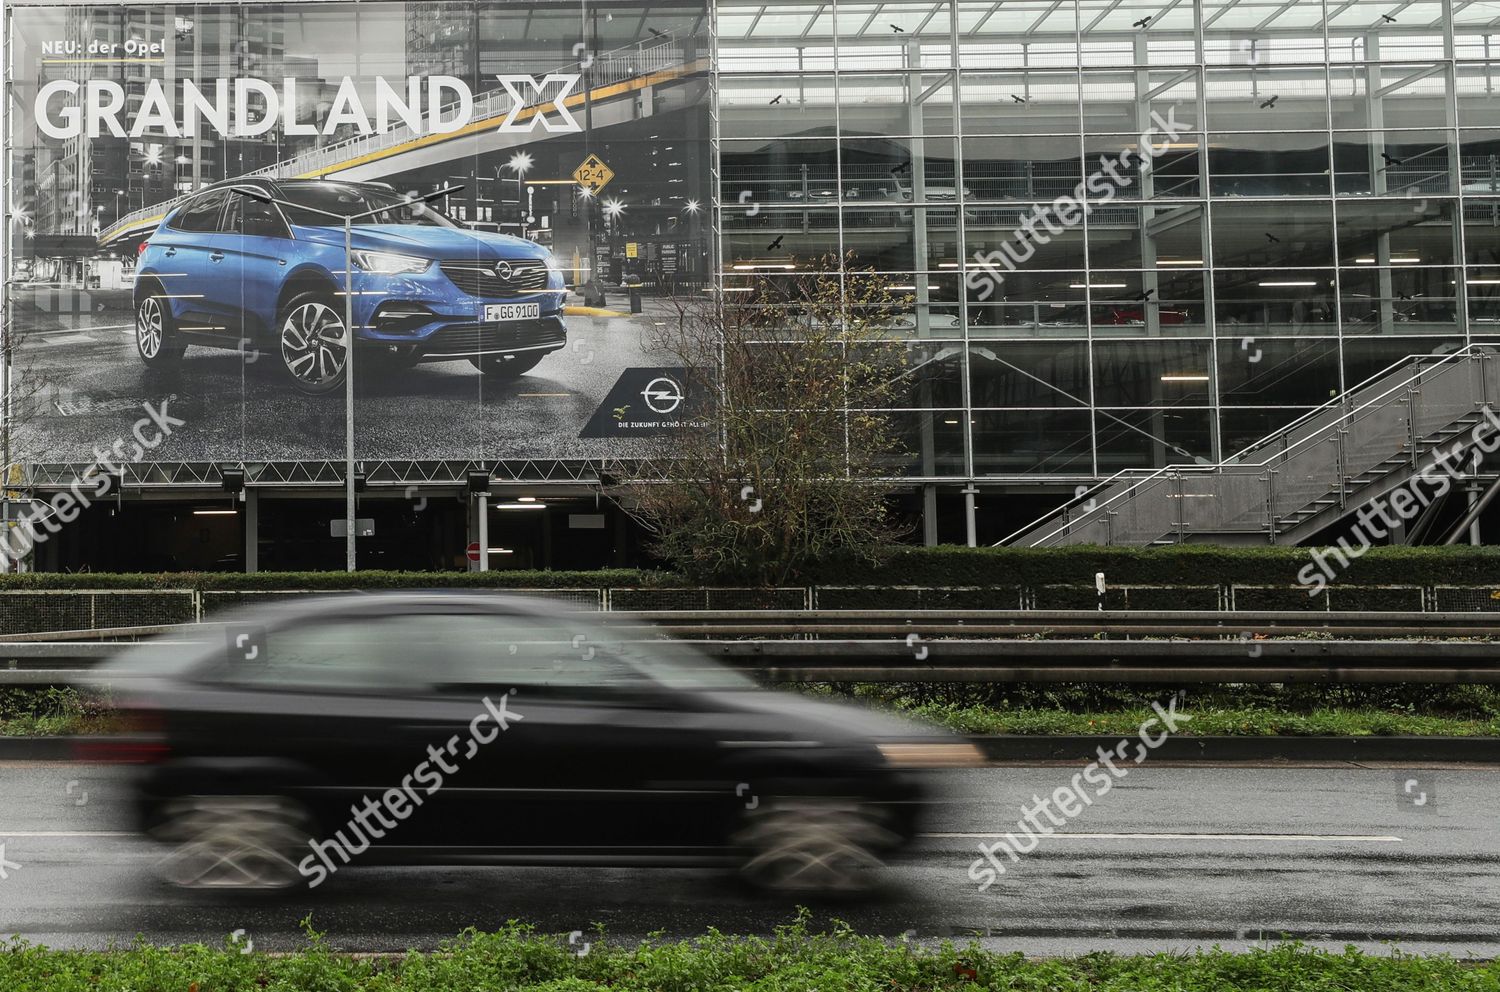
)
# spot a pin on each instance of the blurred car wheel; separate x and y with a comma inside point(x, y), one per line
point(233, 842)
point(813, 845)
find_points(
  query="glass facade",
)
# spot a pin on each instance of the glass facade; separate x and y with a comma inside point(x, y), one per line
point(1326, 202)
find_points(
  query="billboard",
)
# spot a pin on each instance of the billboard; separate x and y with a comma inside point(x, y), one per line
point(221, 215)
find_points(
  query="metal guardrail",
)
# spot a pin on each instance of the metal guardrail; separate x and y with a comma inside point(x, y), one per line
point(972, 646)
point(41, 614)
point(970, 661)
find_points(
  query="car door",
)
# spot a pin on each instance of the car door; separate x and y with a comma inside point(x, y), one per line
point(195, 285)
point(255, 244)
point(600, 761)
point(322, 703)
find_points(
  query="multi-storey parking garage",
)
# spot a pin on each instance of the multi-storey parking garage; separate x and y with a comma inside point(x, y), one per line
point(1324, 203)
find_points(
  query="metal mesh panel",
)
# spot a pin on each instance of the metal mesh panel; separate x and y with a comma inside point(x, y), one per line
point(1460, 599)
point(648, 600)
point(218, 601)
point(1078, 597)
point(917, 598)
point(1262, 598)
point(757, 599)
point(32, 611)
point(575, 599)
point(1395, 599)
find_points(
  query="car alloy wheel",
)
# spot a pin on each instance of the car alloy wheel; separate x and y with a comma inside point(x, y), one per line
point(233, 842)
point(314, 346)
point(812, 845)
point(150, 327)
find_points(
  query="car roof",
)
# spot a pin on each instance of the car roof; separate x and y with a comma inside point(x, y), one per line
point(304, 606)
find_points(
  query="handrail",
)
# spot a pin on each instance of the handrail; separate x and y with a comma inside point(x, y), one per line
point(1235, 460)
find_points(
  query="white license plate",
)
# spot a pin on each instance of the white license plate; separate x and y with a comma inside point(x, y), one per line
point(512, 311)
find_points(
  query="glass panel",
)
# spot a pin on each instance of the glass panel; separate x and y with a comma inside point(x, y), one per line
point(1151, 373)
point(1261, 32)
point(1153, 438)
point(1301, 371)
point(1021, 167)
point(1271, 234)
point(1136, 32)
point(1405, 163)
point(783, 105)
point(1018, 33)
point(1033, 442)
point(1122, 236)
point(1268, 164)
point(1267, 99)
point(1400, 299)
point(1027, 304)
point(1240, 428)
point(1479, 94)
point(1117, 102)
point(1389, 96)
point(1029, 374)
point(1396, 232)
point(1274, 301)
point(906, 103)
point(1008, 103)
point(1359, 31)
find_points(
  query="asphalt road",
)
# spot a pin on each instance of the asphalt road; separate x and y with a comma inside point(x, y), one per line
point(1331, 855)
point(77, 357)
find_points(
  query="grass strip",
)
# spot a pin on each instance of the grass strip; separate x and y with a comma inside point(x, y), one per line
point(796, 958)
point(1213, 710)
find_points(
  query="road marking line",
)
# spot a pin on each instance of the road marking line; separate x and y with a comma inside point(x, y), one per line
point(66, 833)
point(1360, 838)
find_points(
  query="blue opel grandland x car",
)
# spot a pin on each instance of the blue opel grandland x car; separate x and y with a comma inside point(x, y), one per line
point(237, 267)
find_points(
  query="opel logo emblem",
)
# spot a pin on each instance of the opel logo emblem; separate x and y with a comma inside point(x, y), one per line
point(663, 394)
point(502, 269)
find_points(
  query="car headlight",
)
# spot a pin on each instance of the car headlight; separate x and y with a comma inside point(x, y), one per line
point(553, 265)
point(388, 263)
point(955, 754)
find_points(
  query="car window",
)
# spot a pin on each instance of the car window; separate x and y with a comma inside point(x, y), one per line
point(354, 653)
point(512, 651)
point(348, 199)
point(255, 219)
point(201, 214)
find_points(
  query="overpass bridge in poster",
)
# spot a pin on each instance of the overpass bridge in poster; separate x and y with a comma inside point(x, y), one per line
point(619, 86)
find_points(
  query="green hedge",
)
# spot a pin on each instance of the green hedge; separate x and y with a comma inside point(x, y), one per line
point(530, 579)
point(1010, 568)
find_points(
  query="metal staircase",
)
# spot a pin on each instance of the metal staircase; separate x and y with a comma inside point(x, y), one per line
point(1424, 413)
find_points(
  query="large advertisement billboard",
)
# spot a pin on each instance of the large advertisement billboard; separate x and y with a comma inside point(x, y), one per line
point(218, 211)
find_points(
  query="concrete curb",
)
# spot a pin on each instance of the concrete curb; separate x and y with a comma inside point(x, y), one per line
point(1013, 748)
point(1473, 750)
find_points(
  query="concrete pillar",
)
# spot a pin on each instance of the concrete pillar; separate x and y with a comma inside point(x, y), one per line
point(929, 515)
point(251, 516)
point(970, 524)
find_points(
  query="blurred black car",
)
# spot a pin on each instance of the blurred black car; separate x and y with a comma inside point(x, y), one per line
point(551, 740)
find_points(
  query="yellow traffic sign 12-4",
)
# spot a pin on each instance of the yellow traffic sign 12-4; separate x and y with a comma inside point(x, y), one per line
point(593, 175)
